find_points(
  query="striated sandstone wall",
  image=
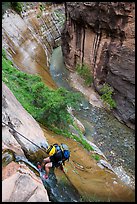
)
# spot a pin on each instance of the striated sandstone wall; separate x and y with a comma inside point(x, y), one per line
point(32, 25)
point(14, 115)
point(19, 183)
point(102, 35)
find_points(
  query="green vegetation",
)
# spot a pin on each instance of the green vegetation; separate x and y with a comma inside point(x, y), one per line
point(60, 16)
point(107, 92)
point(96, 157)
point(80, 139)
point(47, 106)
point(41, 7)
point(38, 15)
point(84, 72)
point(4, 54)
point(17, 6)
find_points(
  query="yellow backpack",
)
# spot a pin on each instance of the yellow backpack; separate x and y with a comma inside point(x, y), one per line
point(52, 149)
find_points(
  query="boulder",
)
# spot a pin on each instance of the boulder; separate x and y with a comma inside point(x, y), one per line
point(20, 184)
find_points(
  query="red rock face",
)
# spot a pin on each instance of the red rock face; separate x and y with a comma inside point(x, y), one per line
point(102, 35)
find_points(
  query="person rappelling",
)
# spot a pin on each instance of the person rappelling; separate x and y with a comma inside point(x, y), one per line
point(58, 154)
point(57, 157)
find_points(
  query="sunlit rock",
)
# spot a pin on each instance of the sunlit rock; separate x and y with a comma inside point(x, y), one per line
point(23, 122)
point(20, 184)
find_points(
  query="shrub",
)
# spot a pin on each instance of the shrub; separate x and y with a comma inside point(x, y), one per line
point(84, 72)
point(107, 92)
point(4, 54)
point(46, 105)
point(96, 157)
point(17, 6)
point(41, 7)
point(53, 104)
point(39, 15)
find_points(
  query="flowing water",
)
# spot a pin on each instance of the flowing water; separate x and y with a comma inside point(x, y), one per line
point(115, 140)
point(58, 190)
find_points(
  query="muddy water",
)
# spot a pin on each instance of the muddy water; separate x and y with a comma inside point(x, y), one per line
point(92, 182)
point(82, 171)
point(115, 140)
point(58, 186)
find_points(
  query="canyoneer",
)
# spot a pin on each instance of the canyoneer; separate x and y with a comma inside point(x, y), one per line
point(57, 157)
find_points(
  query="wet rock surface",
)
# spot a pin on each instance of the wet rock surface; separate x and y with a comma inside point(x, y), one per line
point(102, 35)
point(93, 180)
point(113, 138)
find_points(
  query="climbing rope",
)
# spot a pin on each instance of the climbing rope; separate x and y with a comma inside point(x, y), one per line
point(44, 149)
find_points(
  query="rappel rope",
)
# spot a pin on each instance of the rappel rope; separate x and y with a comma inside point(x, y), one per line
point(44, 149)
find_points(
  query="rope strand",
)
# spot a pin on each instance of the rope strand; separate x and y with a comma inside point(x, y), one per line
point(44, 149)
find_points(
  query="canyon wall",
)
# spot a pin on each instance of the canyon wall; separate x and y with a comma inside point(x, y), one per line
point(34, 24)
point(102, 35)
point(19, 183)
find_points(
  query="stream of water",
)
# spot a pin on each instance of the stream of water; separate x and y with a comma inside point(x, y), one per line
point(58, 190)
point(114, 139)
